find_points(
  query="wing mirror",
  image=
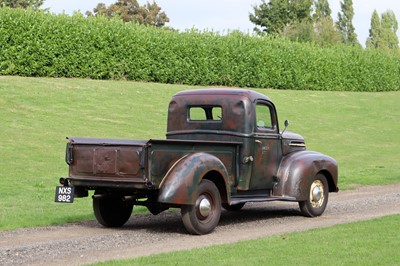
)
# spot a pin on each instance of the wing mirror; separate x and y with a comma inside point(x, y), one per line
point(286, 125)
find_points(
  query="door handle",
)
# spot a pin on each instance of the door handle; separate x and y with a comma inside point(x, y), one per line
point(248, 159)
point(258, 141)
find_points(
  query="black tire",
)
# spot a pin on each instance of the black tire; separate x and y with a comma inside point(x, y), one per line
point(111, 212)
point(317, 199)
point(234, 207)
point(202, 217)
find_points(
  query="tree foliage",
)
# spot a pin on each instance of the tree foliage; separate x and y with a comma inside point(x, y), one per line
point(373, 41)
point(383, 31)
point(324, 30)
point(345, 23)
point(301, 31)
point(294, 20)
point(322, 10)
point(275, 15)
point(389, 27)
point(131, 11)
point(34, 4)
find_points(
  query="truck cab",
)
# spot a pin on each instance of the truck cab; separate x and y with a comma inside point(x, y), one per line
point(242, 116)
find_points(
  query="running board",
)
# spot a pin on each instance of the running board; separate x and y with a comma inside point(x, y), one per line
point(237, 200)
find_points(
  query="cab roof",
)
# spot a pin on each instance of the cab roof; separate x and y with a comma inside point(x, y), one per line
point(252, 95)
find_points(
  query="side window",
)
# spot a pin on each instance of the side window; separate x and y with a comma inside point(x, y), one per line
point(205, 113)
point(263, 117)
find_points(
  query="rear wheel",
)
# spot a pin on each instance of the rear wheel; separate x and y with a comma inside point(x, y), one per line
point(317, 197)
point(202, 217)
point(111, 211)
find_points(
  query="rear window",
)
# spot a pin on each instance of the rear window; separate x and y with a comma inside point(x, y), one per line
point(205, 113)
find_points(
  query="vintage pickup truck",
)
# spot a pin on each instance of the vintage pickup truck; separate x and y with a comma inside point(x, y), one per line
point(223, 148)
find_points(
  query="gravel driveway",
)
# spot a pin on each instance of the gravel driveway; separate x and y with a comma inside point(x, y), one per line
point(88, 242)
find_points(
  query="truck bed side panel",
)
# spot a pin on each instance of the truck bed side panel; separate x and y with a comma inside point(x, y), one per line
point(164, 154)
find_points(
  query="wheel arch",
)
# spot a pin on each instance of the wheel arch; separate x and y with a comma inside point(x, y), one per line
point(179, 186)
point(297, 168)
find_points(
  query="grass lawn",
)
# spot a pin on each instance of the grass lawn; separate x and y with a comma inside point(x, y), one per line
point(373, 242)
point(360, 130)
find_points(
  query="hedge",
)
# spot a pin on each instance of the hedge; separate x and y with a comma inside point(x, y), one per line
point(41, 44)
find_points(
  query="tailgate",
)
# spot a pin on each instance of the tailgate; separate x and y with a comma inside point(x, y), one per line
point(105, 160)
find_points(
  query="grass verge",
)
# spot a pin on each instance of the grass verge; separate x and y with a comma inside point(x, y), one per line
point(373, 242)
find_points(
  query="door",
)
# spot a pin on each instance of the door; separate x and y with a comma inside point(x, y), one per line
point(266, 147)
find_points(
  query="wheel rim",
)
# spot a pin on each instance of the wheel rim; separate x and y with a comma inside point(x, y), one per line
point(317, 194)
point(204, 207)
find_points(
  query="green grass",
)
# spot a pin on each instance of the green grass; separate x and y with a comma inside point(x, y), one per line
point(37, 114)
point(373, 242)
point(360, 130)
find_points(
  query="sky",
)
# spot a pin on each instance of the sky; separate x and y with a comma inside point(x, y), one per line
point(224, 15)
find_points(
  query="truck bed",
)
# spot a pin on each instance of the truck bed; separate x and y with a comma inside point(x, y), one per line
point(135, 164)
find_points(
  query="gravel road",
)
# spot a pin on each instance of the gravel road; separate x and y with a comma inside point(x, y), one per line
point(88, 242)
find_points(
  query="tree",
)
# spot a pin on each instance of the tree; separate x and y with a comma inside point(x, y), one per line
point(373, 41)
point(322, 10)
point(389, 27)
point(321, 29)
point(383, 31)
point(300, 10)
point(293, 20)
point(302, 31)
point(324, 30)
point(34, 4)
point(273, 17)
point(345, 23)
point(131, 11)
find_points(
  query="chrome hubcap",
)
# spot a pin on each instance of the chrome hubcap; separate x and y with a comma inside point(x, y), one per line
point(204, 207)
point(317, 194)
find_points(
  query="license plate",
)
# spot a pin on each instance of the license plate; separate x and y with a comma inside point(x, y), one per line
point(65, 194)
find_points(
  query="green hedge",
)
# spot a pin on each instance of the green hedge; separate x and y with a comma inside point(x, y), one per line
point(46, 45)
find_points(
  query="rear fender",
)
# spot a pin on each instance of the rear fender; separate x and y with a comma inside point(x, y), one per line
point(179, 186)
point(297, 168)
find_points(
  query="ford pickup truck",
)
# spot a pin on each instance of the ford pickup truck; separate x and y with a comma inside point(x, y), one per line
point(223, 148)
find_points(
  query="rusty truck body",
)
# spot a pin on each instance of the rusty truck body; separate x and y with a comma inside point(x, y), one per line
point(223, 148)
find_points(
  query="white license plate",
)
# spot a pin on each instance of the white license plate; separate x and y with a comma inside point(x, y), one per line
point(65, 194)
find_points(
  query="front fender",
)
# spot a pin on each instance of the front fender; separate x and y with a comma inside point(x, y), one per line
point(179, 186)
point(297, 168)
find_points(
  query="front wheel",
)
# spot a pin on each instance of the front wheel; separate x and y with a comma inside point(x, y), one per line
point(111, 211)
point(202, 217)
point(317, 197)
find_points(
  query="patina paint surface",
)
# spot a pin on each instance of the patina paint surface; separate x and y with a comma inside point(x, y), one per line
point(298, 168)
point(237, 116)
point(164, 155)
point(105, 158)
point(180, 184)
point(246, 161)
